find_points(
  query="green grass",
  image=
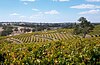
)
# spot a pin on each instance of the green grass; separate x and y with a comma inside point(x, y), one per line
point(96, 30)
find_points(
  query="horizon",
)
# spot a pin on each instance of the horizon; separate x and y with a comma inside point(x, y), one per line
point(49, 11)
point(44, 22)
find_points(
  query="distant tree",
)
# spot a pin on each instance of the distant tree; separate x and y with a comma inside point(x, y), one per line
point(21, 29)
point(33, 30)
point(0, 25)
point(27, 30)
point(48, 28)
point(4, 27)
point(83, 27)
point(16, 29)
point(6, 32)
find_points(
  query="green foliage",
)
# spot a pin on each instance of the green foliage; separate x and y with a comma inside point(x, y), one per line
point(27, 30)
point(64, 49)
point(16, 29)
point(72, 52)
point(7, 30)
point(83, 27)
point(96, 30)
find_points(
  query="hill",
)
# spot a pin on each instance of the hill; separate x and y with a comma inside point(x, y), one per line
point(54, 47)
point(41, 37)
point(96, 30)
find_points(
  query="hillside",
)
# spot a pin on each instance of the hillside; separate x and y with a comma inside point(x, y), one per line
point(54, 47)
point(50, 32)
point(96, 30)
point(76, 51)
point(41, 37)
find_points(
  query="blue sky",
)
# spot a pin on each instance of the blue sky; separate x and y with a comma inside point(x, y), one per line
point(49, 11)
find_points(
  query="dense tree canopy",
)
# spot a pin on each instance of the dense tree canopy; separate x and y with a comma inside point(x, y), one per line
point(83, 27)
point(7, 30)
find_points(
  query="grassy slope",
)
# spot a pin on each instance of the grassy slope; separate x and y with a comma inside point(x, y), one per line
point(96, 30)
point(77, 52)
point(71, 52)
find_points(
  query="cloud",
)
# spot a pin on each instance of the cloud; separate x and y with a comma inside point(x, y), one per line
point(22, 16)
point(85, 6)
point(93, 0)
point(28, 0)
point(14, 14)
point(52, 12)
point(91, 12)
point(61, 0)
point(35, 9)
point(25, 3)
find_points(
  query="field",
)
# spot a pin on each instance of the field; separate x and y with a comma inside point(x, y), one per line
point(41, 37)
point(55, 47)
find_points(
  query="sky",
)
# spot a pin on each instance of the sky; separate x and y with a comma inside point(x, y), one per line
point(49, 11)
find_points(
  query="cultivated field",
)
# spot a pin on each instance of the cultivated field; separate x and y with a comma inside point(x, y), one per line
point(55, 47)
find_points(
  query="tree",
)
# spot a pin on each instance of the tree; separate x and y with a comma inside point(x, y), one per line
point(21, 29)
point(27, 30)
point(33, 30)
point(16, 29)
point(6, 32)
point(83, 27)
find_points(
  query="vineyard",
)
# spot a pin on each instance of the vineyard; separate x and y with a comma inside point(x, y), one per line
point(57, 47)
point(49, 36)
point(39, 37)
point(72, 52)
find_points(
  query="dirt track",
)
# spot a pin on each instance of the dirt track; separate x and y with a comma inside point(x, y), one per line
point(1, 29)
